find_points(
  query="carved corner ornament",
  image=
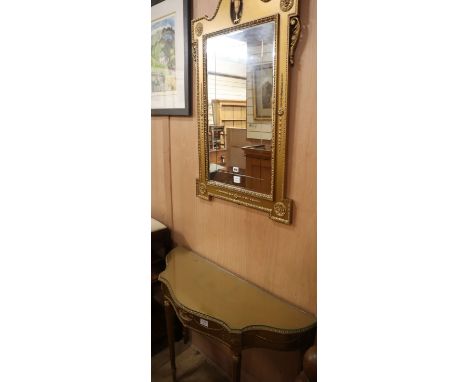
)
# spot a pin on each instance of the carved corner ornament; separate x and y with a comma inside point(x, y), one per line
point(202, 191)
point(282, 211)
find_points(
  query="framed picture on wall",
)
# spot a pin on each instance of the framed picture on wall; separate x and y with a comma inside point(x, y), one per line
point(263, 91)
point(170, 57)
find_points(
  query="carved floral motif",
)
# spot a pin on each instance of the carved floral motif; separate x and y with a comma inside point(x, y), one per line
point(286, 5)
point(198, 29)
point(280, 209)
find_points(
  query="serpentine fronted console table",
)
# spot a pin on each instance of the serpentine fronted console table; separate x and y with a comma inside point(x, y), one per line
point(219, 304)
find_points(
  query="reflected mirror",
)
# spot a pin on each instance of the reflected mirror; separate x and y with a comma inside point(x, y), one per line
point(241, 69)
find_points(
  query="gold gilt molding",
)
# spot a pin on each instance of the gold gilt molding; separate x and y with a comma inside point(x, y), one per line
point(195, 52)
point(284, 14)
point(212, 17)
point(171, 300)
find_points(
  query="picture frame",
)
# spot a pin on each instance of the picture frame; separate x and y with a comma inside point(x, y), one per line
point(283, 16)
point(262, 90)
point(171, 72)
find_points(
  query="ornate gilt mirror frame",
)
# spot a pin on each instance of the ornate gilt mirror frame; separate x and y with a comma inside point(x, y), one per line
point(249, 13)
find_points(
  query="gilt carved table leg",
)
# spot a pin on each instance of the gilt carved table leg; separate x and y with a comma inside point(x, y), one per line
point(169, 311)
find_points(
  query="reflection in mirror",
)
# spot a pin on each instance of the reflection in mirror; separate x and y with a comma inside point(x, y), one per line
point(240, 69)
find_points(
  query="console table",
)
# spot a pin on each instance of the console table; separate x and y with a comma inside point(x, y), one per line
point(219, 304)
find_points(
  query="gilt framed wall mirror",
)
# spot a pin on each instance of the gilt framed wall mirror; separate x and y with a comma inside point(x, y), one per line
point(242, 56)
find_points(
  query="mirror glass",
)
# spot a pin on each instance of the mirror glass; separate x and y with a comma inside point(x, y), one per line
point(240, 68)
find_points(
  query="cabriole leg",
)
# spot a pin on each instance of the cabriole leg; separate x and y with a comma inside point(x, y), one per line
point(169, 311)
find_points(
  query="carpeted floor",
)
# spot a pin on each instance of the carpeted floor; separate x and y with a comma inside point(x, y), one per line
point(192, 366)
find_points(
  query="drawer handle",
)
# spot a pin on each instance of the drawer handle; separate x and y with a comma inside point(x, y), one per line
point(185, 316)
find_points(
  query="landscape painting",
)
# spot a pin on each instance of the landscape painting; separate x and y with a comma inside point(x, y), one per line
point(163, 55)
